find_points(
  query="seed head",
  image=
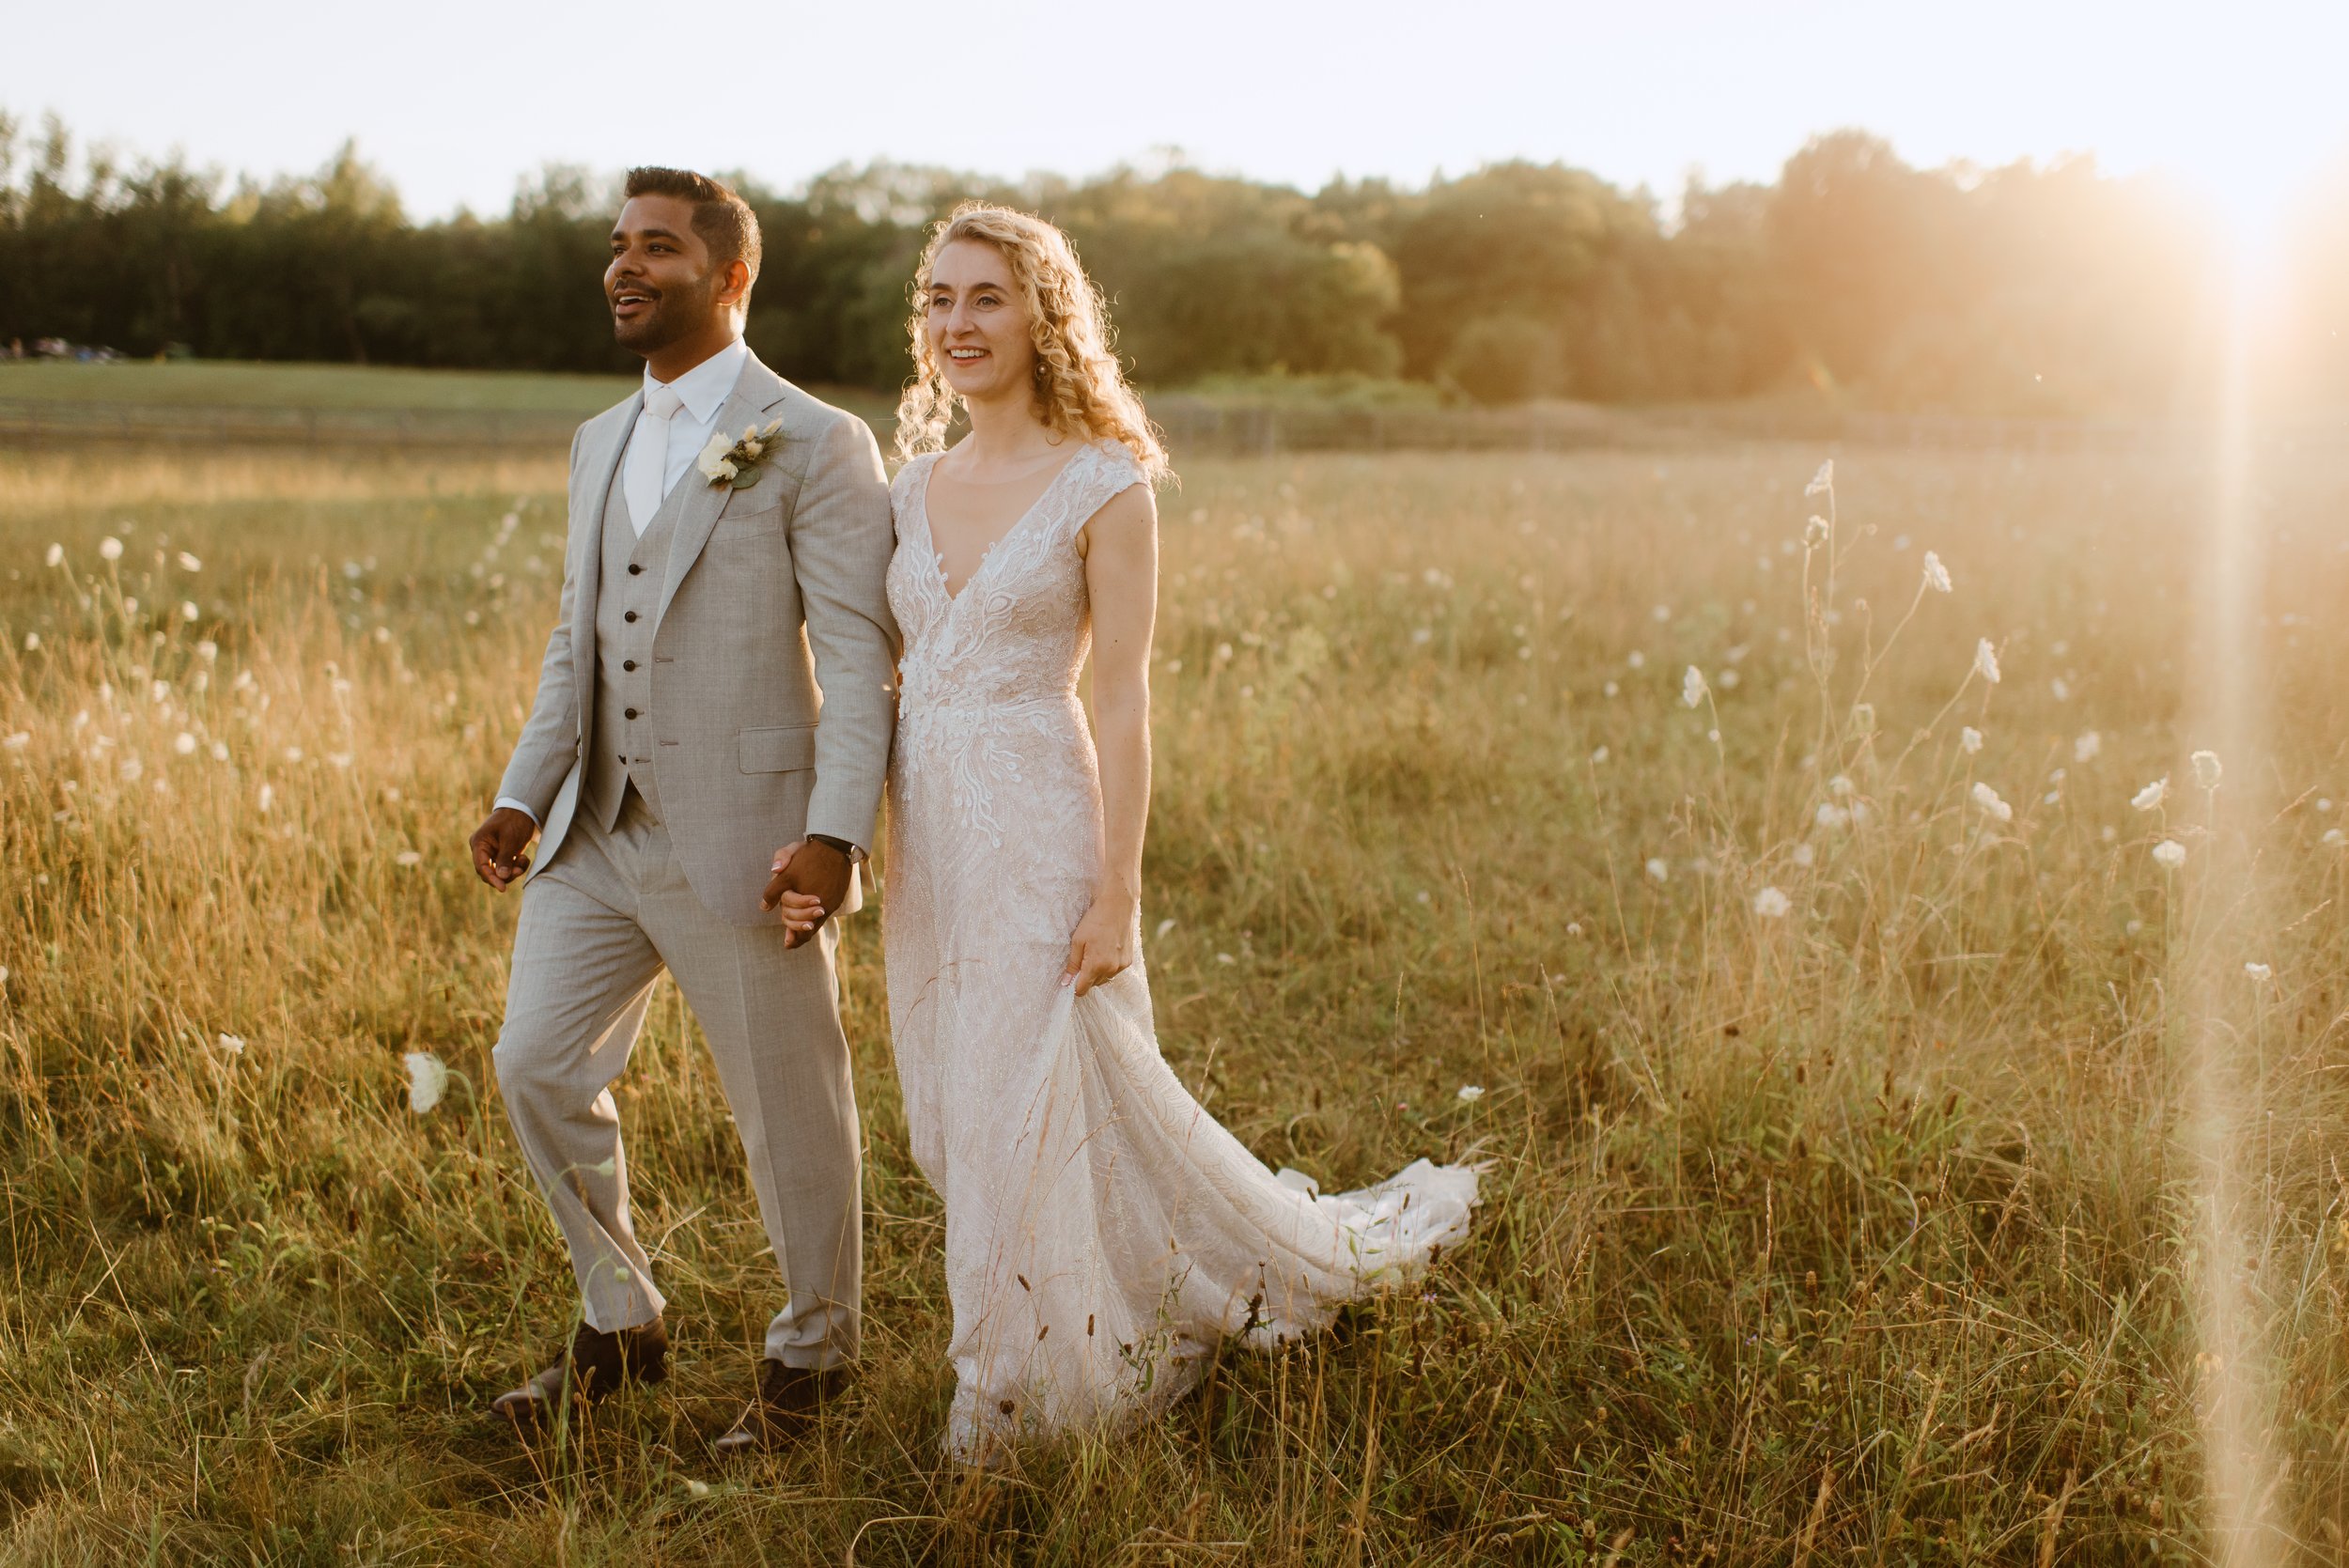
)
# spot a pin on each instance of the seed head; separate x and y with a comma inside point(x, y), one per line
point(2153, 794)
point(1992, 807)
point(1693, 688)
point(2170, 854)
point(1986, 661)
point(1936, 575)
point(1771, 904)
point(2207, 771)
point(1970, 740)
point(428, 1080)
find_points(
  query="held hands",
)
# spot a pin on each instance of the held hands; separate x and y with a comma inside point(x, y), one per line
point(1103, 946)
point(498, 844)
point(811, 881)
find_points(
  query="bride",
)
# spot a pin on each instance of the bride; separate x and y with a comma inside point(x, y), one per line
point(1102, 1231)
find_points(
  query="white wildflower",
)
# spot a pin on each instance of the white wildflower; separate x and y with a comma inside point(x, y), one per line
point(1968, 740)
point(1936, 575)
point(1472, 1092)
point(1995, 808)
point(1815, 532)
point(1599, 755)
point(1986, 661)
point(189, 563)
point(408, 857)
point(220, 751)
point(1822, 481)
point(427, 1080)
point(56, 556)
point(1693, 688)
point(2206, 769)
point(2170, 854)
point(2086, 746)
point(232, 1044)
point(2335, 837)
point(2153, 794)
point(184, 744)
point(1771, 904)
point(188, 612)
point(267, 797)
point(1829, 814)
point(1657, 870)
point(18, 741)
point(1164, 926)
point(32, 642)
point(131, 770)
point(2260, 974)
point(110, 548)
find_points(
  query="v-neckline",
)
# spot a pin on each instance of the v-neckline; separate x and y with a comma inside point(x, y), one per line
point(929, 534)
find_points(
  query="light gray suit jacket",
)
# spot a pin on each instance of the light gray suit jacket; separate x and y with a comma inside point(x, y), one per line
point(774, 653)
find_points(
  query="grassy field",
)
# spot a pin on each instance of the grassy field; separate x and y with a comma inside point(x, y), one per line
point(212, 385)
point(1893, 1160)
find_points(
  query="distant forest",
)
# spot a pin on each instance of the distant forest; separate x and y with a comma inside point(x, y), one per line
point(2026, 289)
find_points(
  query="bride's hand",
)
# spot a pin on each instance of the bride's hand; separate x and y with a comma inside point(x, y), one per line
point(800, 912)
point(1103, 946)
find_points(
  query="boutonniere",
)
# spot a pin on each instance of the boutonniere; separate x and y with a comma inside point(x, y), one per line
point(735, 462)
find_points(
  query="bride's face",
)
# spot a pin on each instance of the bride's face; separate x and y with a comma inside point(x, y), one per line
point(977, 324)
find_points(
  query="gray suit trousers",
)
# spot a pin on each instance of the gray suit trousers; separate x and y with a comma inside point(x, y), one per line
point(599, 923)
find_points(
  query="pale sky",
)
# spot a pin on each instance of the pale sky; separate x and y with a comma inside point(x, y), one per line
point(457, 101)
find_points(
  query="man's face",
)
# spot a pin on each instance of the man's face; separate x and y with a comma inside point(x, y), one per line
point(661, 284)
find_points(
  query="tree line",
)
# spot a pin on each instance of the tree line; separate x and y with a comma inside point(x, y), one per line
point(2021, 289)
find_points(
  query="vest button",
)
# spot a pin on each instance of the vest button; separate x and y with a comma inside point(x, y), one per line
point(628, 664)
point(629, 714)
point(635, 570)
point(630, 616)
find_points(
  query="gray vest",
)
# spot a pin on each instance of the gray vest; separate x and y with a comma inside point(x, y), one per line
point(625, 737)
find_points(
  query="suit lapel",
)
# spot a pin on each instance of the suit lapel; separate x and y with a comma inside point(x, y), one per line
point(755, 392)
point(603, 470)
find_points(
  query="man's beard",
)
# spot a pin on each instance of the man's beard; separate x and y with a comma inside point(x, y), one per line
point(675, 312)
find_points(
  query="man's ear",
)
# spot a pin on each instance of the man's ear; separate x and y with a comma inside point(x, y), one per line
point(736, 289)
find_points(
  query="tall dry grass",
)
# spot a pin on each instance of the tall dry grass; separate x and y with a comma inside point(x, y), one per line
point(1862, 1231)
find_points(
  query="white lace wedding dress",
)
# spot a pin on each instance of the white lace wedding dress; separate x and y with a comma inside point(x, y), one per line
point(1102, 1231)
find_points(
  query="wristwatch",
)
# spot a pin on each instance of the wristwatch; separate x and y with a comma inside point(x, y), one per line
point(854, 851)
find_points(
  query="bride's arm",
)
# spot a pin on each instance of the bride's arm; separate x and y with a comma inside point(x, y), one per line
point(1120, 546)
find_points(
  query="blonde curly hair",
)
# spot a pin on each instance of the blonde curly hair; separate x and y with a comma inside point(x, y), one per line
point(1080, 388)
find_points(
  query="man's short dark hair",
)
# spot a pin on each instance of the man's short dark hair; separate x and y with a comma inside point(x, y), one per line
point(724, 220)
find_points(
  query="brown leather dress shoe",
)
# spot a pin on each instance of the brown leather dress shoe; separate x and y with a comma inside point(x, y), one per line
point(789, 1400)
point(593, 1367)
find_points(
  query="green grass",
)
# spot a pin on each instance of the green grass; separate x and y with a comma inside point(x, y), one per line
point(208, 383)
point(1862, 1234)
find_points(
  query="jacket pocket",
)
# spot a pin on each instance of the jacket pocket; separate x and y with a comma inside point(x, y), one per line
point(778, 750)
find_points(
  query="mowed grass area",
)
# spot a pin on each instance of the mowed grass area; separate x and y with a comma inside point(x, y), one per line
point(217, 383)
point(347, 390)
point(1859, 1232)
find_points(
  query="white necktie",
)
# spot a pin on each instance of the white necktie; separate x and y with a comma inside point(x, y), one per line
point(646, 478)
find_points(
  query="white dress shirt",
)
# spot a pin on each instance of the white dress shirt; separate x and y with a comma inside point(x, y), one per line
point(703, 390)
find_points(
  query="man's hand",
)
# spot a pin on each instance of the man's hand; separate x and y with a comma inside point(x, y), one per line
point(498, 844)
point(811, 881)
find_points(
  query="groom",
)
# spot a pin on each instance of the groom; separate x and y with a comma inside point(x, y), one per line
point(720, 680)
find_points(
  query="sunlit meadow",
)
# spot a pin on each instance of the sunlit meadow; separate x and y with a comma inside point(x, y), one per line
point(1780, 905)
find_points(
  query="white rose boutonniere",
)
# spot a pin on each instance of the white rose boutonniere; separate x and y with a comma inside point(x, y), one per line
point(734, 461)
